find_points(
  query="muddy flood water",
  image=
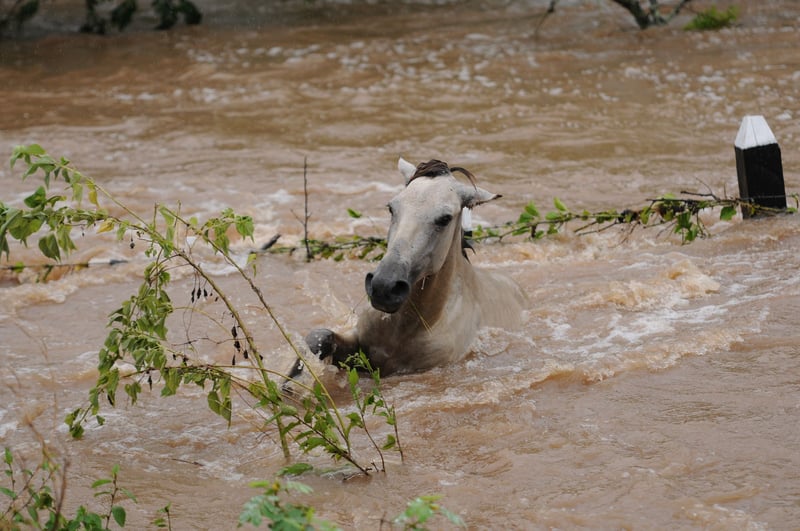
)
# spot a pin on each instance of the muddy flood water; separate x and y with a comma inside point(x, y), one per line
point(653, 385)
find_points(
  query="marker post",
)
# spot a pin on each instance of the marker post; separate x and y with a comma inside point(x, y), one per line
point(758, 166)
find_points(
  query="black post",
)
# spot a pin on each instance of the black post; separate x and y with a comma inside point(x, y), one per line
point(758, 165)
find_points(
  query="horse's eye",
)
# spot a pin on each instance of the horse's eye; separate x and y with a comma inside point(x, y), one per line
point(391, 210)
point(443, 221)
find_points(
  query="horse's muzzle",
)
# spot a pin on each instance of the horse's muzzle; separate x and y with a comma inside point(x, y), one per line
point(386, 294)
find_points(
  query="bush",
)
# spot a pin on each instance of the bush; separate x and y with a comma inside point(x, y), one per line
point(713, 19)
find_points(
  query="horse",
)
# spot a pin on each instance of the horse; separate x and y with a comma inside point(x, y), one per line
point(427, 301)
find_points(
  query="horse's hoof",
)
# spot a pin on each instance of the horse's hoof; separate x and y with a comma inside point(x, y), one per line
point(322, 342)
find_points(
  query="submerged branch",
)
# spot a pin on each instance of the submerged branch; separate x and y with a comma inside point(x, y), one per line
point(679, 214)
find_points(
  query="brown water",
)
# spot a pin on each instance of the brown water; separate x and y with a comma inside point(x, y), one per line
point(654, 385)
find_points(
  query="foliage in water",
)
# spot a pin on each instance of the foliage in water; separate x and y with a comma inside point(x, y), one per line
point(34, 499)
point(35, 496)
point(138, 352)
point(678, 215)
point(713, 19)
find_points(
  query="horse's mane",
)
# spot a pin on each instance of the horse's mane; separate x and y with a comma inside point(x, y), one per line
point(435, 168)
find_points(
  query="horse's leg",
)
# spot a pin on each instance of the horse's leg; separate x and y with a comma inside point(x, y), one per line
point(327, 343)
point(324, 343)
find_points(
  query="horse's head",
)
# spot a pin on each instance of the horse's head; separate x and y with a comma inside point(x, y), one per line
point(425, 225)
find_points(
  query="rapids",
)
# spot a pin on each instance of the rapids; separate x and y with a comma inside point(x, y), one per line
point(654, 384)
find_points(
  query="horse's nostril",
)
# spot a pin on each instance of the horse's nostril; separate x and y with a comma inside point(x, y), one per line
point(368, 284)
point(400, 288)
point(385, 292)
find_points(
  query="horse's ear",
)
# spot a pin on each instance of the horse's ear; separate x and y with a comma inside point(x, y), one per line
point(406, 169)
point(472, 196)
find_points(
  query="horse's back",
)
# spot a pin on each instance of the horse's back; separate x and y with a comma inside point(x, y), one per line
point(501, 300)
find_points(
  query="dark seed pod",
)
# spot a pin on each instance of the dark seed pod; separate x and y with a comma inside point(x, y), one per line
point(237, 346)
point(245, 354)
point(233, 331)
point(233, 360)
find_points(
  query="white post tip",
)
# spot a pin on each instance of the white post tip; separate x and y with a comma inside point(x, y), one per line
point(754, 132)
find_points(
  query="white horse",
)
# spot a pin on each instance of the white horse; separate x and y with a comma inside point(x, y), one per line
point(427, 301)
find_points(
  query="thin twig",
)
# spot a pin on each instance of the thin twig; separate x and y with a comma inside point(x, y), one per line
point(306, 215)
point(550, 10)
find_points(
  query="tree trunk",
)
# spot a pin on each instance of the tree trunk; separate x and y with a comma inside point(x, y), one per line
point(650, 17)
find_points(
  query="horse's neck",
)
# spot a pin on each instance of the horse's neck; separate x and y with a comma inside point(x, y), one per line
point(430, 295)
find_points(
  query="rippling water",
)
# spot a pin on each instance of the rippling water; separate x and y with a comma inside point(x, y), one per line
point(654, 384)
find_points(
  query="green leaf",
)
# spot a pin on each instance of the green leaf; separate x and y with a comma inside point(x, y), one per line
point(21, 226)
point(524, 217)
point(92, 193)
point(101, 482)
point(213, 402)
point(727, 212)
point(49, 247)
point(119, 515)
point(353, 213)
point(644, 215)
point(37, 198)
point(25, 152)
point(295, 469)
point(168, 216)
point(519, 231)
point(559, 205)
point(355, 419)
point(244, 226)
point(172, 379)
point(77, 192)
point(353, 377)
point(63, 238)
point(531, 210)
point(296, 486)
point(390, 443)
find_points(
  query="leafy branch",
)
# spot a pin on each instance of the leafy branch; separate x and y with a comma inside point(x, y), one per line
point(137, 348)
point(35, 496)
point(272, 508)
point(680, 215)
point(372, 402)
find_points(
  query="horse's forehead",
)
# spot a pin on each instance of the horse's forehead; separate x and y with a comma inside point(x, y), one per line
point(430, 191)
